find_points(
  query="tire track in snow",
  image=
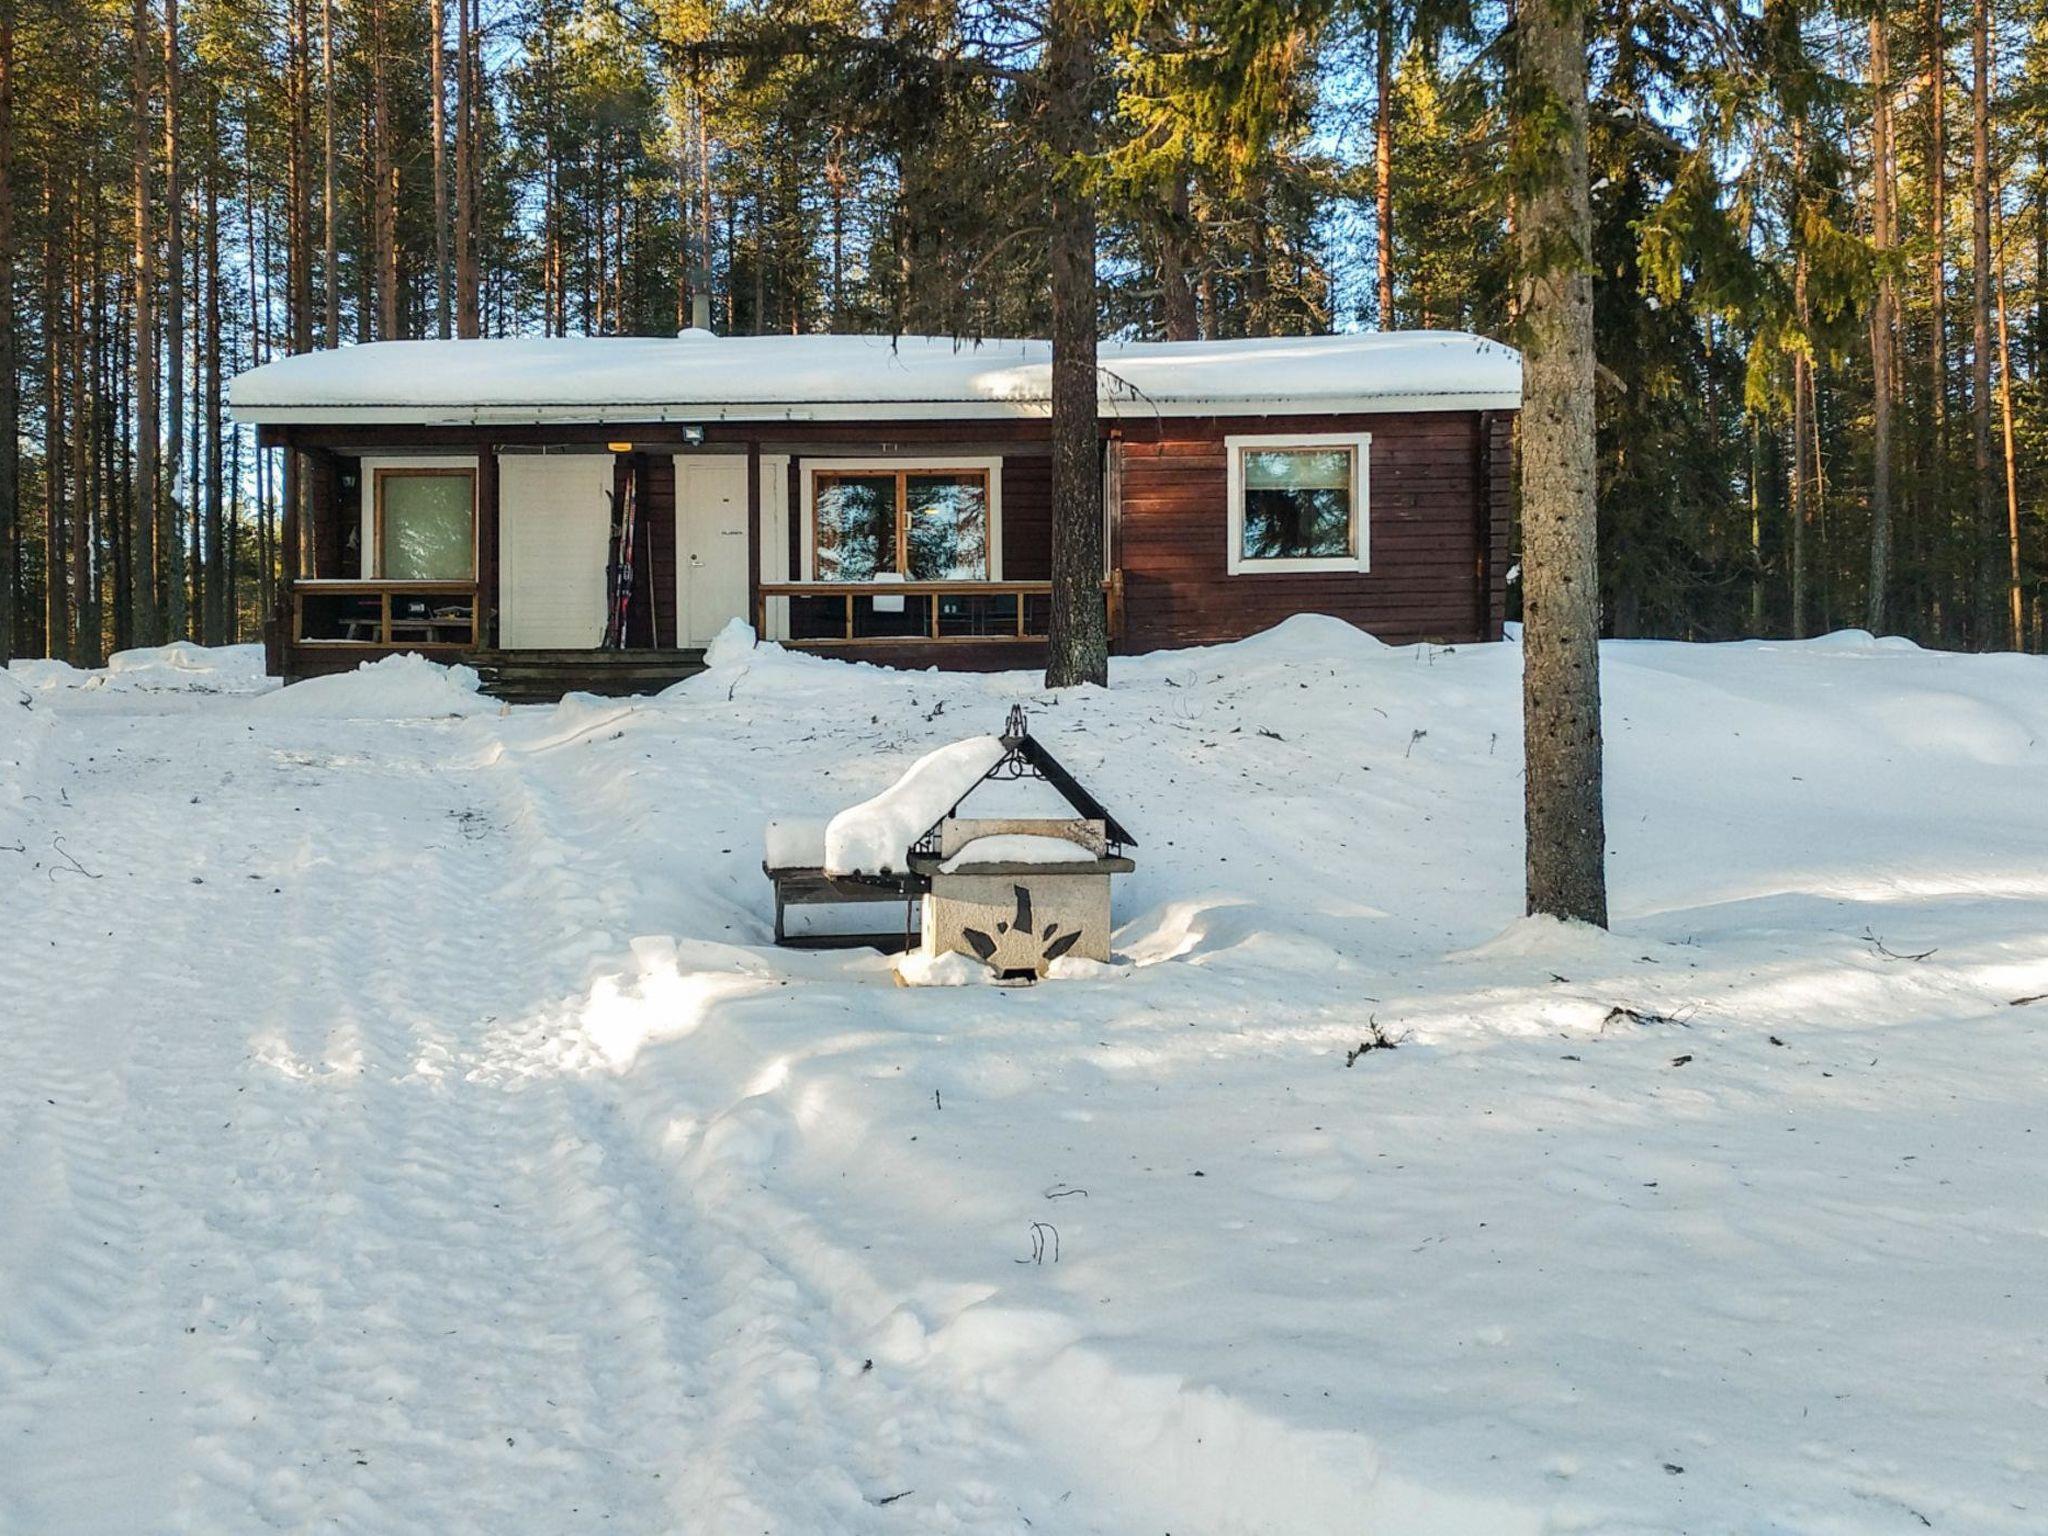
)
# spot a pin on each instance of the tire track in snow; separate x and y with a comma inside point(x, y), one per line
point(797, 1431)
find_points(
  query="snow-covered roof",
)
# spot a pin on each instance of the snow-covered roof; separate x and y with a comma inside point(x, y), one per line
point(697, 376)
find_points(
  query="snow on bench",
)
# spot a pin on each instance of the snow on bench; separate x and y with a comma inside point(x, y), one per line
point(875, 837)
point(1017, 848)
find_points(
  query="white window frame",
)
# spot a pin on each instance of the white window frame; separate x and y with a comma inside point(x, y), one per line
point(1360, 559)
point(921, 463)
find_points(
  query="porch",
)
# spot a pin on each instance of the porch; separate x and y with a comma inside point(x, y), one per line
point(502, 550)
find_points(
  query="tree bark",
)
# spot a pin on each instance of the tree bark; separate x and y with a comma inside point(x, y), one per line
point(143, 573)
point(1980, 305)
point(1883, 321)
point(1937, 267)
point(1077, 634)
point(1797, 508)
point(1176, 242)
point(384, 202)
point(437, 85)
point(2015, 595)
point(330, 255)
point(1383, 161)
point(215, 607)
point(170, 536)
point(1563, 813)
point(10, 408)
point(56, 548)
point(467, 87)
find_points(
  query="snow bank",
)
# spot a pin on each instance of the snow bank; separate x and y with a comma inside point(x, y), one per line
point(874, 837)
point(731, 646)
point(951, 969)
point(1725, 1221)
point(1018, 848)
point(390, 688)
point(180, 667)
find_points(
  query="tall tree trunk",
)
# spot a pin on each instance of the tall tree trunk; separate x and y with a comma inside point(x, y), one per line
point(88, 648)
point(1176, 247)
point(330, 255)
point(704, 220)
point(2015, 596)
point(1077, 636)
point(56, 544)
point(1563, 812)
point(437, 84)
point(218, 631)
point(1937, 275)
point(298, 181)
point(1883, 321)
point(10, 408)
point(1383, 161)
point(1802, 373)
point(143, 557)
point(1980, 306)
point(384, 203)
point(467, 85)
point(170, 536)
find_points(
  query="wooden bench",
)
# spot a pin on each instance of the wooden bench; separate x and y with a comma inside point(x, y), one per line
point(795, 868)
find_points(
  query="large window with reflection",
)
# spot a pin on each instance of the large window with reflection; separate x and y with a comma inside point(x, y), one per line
point(1298, 503)
point(426, 524)
point(908, 524)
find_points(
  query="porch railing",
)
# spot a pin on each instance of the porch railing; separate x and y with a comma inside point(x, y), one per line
point(416, 615)
point(827, 613)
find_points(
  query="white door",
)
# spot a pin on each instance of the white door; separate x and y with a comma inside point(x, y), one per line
point(711, 545)
point(555, 528)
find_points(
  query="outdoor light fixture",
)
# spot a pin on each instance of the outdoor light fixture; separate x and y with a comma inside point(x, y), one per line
point(694, 436)
point(619, 447)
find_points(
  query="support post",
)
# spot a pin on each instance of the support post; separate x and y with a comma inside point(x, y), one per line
point(288, 531)
point(485, 622)
point(754, 527)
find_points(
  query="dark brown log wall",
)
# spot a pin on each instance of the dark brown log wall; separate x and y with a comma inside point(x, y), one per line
point(1432, 537)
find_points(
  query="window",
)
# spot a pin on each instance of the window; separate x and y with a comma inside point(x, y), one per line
point(913, 523)
point(426, 524)
point(1298, 503)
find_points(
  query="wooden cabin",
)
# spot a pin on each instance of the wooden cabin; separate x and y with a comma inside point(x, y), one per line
point(886, 499)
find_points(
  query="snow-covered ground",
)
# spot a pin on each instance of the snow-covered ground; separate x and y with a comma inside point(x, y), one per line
point(405, 1126)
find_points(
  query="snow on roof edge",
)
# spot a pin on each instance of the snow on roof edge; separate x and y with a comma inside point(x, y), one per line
point(520, 380)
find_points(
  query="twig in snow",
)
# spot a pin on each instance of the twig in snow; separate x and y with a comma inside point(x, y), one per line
point(1060, 1192)
point(1877, 944)
point(1038, 1231)
point(2021, 1002)
point(1413, 737)
point(1637, 1016)
point(893, 1497)
point(937, 1102)
point(74, 867)
point(1377, 1040)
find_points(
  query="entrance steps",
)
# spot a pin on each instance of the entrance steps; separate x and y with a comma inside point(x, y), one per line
point(542, 677)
